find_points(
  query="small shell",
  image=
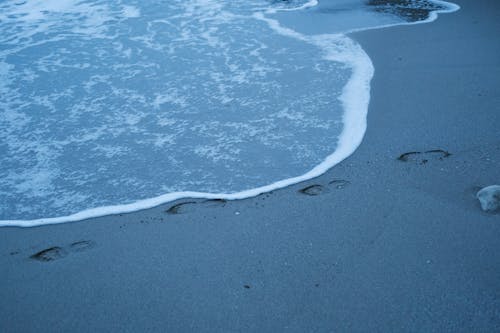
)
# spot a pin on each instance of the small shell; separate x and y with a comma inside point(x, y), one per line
point(489, 197)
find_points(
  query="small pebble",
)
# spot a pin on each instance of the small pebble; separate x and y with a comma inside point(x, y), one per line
point(489, 197)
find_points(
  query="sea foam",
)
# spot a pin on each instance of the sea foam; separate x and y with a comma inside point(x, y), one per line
point(258, 80)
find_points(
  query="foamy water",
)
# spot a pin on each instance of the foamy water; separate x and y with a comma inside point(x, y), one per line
point(114, 106)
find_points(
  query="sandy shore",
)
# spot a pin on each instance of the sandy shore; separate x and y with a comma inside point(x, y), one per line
point(376, 244)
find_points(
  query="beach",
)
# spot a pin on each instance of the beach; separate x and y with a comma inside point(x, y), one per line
point(392, 239)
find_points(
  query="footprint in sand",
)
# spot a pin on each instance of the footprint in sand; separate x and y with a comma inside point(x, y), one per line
point(339, 184)
point(184, 207)
point(57, 252)
point(50, 254)
point(423, 157)
point(214, 203)
point(312, 190)
point(81, 246)
point(316, 189)
point(179, 208)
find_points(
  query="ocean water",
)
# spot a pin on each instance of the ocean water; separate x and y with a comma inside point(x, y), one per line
point(118, 105)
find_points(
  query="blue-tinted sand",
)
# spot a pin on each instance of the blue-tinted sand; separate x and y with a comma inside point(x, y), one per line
point(114, 106)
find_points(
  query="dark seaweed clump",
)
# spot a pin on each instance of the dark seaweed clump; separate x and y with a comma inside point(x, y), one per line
point(408, 10)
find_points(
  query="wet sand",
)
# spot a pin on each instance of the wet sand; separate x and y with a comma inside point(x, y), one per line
point(385, 241)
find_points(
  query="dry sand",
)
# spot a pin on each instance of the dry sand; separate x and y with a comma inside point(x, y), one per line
point(376, 244)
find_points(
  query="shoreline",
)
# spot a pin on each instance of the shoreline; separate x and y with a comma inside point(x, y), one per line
point(374, 244)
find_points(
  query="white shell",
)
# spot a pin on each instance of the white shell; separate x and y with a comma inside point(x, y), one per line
point(489, 197)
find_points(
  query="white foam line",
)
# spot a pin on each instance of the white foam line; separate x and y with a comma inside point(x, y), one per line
point(355, 99)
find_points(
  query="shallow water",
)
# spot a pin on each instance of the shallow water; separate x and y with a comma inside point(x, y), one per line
point(111, 102)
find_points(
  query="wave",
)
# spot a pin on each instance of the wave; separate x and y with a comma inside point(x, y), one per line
point(355, 97)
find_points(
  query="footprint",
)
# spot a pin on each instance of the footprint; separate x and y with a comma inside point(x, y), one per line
point(215, 203)
point(339, 183)
point(312, 190)
point(317, 189)
point(424, 157)
point(57, 252)
point(179, 208)
point(50, 254)
point(182, 207)
point(81, 246)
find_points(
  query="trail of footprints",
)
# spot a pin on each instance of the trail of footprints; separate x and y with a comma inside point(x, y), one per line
point(311, 190)
point(419, 157)
point(59, 252)
point(413, 157)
